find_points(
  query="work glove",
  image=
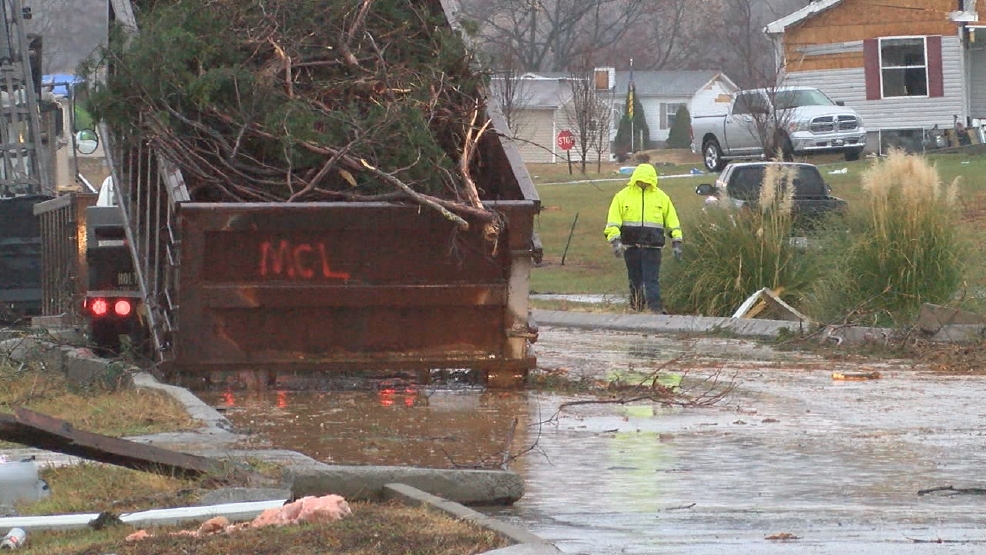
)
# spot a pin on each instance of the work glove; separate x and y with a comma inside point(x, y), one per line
point(618, 248)
point(676, 249)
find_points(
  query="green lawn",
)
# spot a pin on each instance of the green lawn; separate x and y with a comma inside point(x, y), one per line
point(590, 266)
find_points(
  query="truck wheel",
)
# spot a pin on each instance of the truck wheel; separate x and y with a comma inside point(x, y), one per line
point(852, 154)
point(712, 155)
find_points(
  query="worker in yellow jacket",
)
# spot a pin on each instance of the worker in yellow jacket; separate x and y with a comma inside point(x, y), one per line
point(641, 216)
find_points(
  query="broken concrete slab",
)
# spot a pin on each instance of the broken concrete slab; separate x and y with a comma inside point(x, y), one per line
point(932, 318)
point(468, 487)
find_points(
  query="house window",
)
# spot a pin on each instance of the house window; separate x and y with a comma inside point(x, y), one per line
point(903, 67)
point(670, 111)
point(619, 110)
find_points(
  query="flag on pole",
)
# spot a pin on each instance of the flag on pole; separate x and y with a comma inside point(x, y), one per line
point(630, 100)
point(630, 92)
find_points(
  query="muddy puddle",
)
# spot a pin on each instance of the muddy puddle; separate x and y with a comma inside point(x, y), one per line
point(819, 465)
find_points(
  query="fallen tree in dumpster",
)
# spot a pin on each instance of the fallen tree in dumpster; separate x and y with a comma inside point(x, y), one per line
point(301, 101)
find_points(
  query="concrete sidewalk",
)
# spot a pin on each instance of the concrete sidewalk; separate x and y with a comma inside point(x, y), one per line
point(658, 323)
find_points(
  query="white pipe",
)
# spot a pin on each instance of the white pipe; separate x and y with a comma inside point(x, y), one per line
point(163, 517)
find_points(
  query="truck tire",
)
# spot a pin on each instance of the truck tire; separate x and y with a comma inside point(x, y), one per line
point(852, 154)
point(712, 156)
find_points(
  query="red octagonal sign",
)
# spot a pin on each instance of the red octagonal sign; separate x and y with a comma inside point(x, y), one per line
point(565, 139)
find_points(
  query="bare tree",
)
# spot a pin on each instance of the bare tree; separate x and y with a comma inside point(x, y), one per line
point(587, 114)
point(70, 29)
point(671, 34)
point(512, 93)
point(744, 48)
point(546, 34)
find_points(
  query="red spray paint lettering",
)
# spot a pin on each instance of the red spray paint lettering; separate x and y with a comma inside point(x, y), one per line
point(296, 261)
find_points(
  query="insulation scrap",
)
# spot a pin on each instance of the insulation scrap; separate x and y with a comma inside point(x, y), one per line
point(307, 509)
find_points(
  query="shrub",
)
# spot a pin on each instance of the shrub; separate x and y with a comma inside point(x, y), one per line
point(731, 254)
point(904, 245)
point(680, 135)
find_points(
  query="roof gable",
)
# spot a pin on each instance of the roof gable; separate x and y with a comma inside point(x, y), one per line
point(804, 13)
point(675, 83)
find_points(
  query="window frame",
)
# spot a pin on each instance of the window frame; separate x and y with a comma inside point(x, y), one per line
point(924, 66)
point(669, 116)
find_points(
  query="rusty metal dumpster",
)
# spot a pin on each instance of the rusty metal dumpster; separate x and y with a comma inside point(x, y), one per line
point(328, 287)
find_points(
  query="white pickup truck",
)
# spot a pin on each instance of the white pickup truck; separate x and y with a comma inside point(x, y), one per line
point(802, 119)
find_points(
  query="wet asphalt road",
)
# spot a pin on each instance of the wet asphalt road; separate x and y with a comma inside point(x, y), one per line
point(833, 466)
point(836, 466)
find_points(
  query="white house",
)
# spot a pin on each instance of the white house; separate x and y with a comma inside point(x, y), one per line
point(663, 93)
point(901, 64)
point(541, 105)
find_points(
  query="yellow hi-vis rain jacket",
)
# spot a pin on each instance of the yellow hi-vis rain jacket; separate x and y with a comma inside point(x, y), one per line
point(642, 216)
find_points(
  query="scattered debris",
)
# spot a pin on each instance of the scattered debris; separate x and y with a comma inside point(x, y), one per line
point(19, 481)
point(52, 434)
point(782, 536)
point(951, 490)
point(855, 376)
point(768, 304)
point(14, 539)
point(307, 509)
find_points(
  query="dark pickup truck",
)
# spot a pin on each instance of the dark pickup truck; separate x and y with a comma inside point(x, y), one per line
point(739, 185)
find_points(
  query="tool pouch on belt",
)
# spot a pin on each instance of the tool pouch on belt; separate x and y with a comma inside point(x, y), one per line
point(639, 236)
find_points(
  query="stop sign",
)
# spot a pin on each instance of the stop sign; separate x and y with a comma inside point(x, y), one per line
point(565, 139)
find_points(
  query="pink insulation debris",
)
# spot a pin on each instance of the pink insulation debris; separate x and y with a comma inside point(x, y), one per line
point(307, 509)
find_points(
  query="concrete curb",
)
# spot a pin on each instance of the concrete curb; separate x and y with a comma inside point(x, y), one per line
point(526, 541)
point(660, 323)
point(745, 327)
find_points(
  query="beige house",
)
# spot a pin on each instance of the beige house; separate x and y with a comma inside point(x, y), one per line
point(540, 106)
point(908, 67)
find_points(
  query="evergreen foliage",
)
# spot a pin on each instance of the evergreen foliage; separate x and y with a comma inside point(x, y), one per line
point(622, 141)
point(680, 135)
point(263, 99)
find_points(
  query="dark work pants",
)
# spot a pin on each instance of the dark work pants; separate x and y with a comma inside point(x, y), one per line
point(643, 269)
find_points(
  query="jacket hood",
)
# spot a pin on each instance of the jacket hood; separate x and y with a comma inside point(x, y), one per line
point(645, 173)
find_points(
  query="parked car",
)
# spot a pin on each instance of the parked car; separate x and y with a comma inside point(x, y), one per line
point(803, 118)
point(739, 185)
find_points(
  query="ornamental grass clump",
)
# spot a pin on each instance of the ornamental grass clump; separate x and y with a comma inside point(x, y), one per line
point(904, 245)
point(731, 254)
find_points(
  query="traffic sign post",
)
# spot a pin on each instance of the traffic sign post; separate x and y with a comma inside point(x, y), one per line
point(565, 141)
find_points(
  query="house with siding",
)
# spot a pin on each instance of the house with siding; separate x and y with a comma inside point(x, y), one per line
point(662, 93)
point(906, 66)
point(536, 112)
point(541, 105)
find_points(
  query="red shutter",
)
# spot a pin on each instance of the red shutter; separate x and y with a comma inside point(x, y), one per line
point(871, 67)
point(936, 84)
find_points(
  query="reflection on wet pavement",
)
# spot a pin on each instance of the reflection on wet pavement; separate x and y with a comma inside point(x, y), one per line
point(789, 450)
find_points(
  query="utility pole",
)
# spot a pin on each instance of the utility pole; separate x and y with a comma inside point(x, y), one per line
point(22, 171)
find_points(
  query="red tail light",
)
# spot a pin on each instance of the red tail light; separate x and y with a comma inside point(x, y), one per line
point(99, 307)
point(122, 307)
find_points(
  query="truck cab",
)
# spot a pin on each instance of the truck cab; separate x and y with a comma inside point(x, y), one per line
point(113, 299)
point(795, 120)
point(739, 186)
